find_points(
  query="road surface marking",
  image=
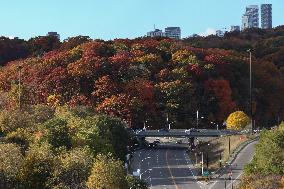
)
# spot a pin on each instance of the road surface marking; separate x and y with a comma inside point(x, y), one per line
point(171, 171)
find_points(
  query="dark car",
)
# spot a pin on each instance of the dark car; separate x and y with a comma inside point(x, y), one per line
point(156, 142)
point(179, 142)
point(152, 145)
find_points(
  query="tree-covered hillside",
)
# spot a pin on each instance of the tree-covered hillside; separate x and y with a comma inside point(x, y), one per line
point(148, 79)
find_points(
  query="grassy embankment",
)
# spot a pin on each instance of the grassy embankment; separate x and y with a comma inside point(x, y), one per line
point(215, 148)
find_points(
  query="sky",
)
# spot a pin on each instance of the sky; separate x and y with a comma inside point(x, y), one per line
point(110, 19)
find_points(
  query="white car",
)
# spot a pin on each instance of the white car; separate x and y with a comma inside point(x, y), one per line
point(187, 131)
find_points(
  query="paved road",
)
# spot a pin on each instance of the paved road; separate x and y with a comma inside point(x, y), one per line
point(169, 167)
point(244, 157)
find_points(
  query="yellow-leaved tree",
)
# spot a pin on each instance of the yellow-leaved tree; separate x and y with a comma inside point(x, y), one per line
point(107, 173)
point(237, 120)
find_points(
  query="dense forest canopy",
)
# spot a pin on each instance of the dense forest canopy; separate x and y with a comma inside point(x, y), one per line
point(148, 79)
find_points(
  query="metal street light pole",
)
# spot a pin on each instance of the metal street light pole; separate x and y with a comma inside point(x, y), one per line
point(197, 118)
point(250, 89)
point(220, 160)
point(202, 163)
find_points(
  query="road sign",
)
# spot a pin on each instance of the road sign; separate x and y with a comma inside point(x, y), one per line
point(206, 173)
point(230, 174)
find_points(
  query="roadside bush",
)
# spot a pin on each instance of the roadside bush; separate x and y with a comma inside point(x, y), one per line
point(136, 183)
point(269, 154)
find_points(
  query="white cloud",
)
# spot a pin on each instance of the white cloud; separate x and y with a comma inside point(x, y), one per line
point(209, 31)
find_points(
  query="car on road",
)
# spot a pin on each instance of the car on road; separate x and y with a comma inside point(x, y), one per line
point(188, 131)
point(194, 130)
point(156, 143)
point(179, 142)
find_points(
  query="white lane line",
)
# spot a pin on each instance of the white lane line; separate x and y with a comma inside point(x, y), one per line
point(188, 161)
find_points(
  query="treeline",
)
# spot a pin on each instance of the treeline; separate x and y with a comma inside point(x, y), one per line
point(13, 49)
point(62, 148)
point(146, 80)
point(267, 167)
point(266, 44)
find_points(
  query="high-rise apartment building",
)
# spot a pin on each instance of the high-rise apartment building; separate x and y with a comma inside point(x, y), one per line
point(245, 21)
point(266, 16)
point(251, 17)
point(173, 32)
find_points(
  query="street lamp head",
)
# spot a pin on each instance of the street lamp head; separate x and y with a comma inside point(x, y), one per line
point(249, 50)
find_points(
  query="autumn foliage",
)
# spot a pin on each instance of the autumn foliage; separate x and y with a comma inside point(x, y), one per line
point(142, 79)
point(237, 120)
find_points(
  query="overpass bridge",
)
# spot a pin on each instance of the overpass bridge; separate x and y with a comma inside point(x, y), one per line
point(183, 133)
